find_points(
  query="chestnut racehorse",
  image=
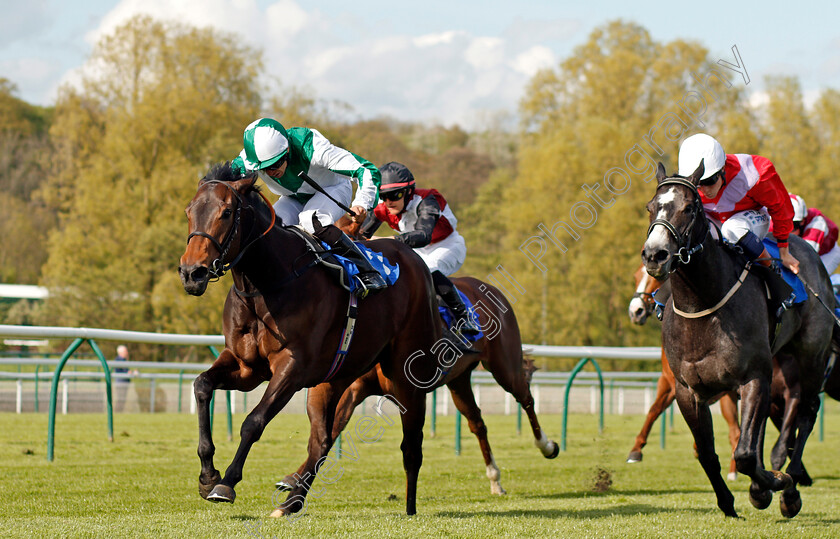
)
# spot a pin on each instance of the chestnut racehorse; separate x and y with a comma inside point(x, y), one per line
point(283, 323)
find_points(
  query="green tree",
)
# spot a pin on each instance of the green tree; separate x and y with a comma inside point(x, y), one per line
point(579, 121)
point(788, 138)
point(24, 164)
point(165, 101)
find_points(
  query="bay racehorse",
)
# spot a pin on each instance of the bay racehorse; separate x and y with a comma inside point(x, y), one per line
point(641, 307)
point(284, 319)
point(717, 332)
point(499, 352)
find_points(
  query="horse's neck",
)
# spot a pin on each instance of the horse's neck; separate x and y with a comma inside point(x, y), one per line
point(270, 260)
point(704, 280)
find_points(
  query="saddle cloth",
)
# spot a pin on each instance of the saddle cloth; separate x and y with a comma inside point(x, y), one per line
point(449, 318)
point(789, 277)
point(346, 268)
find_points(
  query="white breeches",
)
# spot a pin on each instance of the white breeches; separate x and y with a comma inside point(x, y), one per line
point(831, 259)
point(755, 221)
point(292, 212)
point(446, 256)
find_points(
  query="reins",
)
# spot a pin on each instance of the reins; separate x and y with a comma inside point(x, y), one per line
point(218, 268)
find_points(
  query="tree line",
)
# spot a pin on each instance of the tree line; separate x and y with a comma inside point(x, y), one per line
point(93, 188)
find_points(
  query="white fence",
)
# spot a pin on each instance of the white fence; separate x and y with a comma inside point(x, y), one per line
point(153, 391)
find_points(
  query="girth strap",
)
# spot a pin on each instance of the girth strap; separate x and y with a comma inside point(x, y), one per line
point(346, 338)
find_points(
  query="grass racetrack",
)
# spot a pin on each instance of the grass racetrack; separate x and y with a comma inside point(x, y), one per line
point(145, 484)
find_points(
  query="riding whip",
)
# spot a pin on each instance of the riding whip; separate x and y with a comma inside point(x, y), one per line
point(305, 177)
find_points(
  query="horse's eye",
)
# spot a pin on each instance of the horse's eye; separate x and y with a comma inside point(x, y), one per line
point(227, 213)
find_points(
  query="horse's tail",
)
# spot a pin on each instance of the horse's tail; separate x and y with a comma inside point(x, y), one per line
point(528, 367)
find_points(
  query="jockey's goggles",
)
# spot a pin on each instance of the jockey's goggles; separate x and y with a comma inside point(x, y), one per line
point(711, 180)
point(393, 195)
point(279, 163)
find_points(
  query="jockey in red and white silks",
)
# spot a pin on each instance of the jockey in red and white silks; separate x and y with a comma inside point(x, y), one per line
point(743, 194)
point(425, 223)
point(818, 230)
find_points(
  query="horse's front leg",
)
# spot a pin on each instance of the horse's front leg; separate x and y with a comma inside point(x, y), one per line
point(755, 406)
point(280, 390)
point(699, 420)
point(664, 398)
point(729, 411)
point(321, 407)
point(352, 397)
point(203, 386)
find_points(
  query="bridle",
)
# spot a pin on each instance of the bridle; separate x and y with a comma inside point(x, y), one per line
point(218, 268)
point(647, 301)
point(683, 239)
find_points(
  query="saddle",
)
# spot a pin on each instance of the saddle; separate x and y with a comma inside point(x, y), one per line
point(343, 269)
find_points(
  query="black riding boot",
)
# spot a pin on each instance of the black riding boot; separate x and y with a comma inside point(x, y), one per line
point(781, 293)
point(368, 278)
point(446, 290)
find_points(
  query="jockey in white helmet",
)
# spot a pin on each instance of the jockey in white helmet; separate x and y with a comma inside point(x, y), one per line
point(743, 193)
point(818, 230)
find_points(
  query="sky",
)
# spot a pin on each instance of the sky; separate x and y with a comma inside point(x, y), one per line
point(436, 61)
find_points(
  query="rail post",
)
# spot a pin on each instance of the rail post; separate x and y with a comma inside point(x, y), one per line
point(572, 376)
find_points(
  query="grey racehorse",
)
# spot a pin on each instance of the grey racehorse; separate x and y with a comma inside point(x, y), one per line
point(718, 344)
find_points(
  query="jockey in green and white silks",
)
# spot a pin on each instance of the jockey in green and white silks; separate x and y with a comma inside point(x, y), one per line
point(267, 142)
point(278, 155)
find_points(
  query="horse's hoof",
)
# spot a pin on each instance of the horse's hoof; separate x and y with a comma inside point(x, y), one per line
point(205, 488)
point(790, 503)
point(803, 478)
point(555, 452)
point(787, 481)
point(498, 489)
point(634, 457)
point(760, 498)
point(284, 485)
point(733, 476)
point(222, 493)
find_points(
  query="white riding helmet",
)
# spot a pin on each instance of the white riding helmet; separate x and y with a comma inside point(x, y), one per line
point(265, 142)
point(697, 147)
point(800, 210)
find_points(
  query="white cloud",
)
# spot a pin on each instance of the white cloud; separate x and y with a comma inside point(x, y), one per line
point(534, 59)
point(484, 52)
point(430, 40)
point(450, 76)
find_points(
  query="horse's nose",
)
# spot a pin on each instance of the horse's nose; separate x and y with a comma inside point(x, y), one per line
point(195, 274)
point(657, 256)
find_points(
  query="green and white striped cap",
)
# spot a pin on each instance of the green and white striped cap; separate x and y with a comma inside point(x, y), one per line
point(264, 144)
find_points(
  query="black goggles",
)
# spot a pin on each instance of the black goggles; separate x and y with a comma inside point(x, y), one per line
point(393, 195)
point(711, 180)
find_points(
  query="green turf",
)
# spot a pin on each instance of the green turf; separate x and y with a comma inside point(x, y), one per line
point(145, 483)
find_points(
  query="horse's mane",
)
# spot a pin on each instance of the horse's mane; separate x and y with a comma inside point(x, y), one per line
point(224, 172)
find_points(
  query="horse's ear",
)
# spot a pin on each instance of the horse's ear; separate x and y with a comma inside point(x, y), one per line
point(245, 184)
point(697, 174)
point(660, 172)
